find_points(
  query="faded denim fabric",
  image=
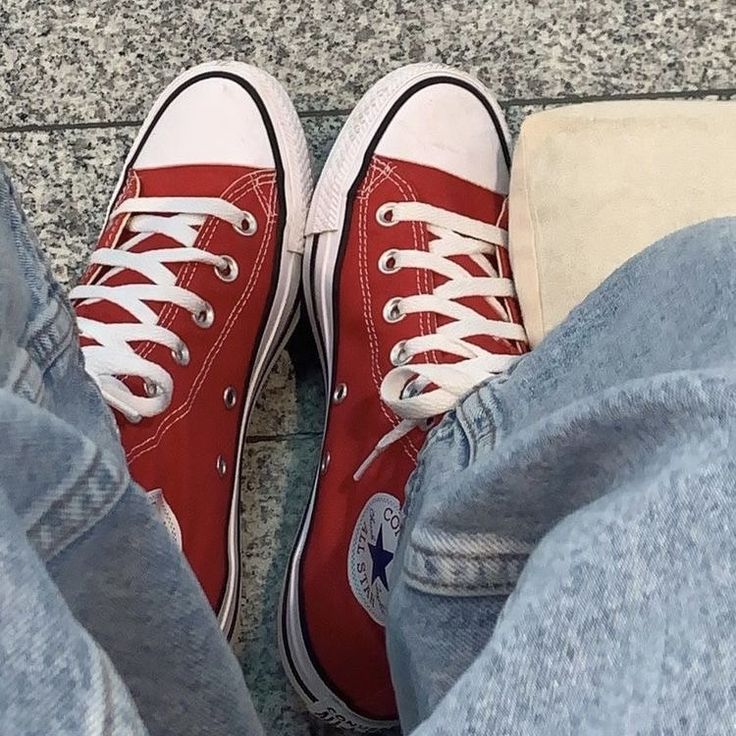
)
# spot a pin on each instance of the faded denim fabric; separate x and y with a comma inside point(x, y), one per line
point(568, 564)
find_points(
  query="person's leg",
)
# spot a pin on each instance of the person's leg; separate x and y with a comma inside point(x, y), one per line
point(113, 580)
point(606, 455)
point(56, 679)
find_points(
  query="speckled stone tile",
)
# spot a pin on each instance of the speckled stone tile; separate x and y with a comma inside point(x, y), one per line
point(321, 131)
point(292, 400)
point(277, 482)
point(65, 179)
point(106, 60)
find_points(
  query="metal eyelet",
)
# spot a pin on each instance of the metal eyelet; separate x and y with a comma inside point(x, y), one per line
point(229, 270)
point(392, 310)
point(152, 388)
point(387, 262)
point(340, 393)
point(221, 466)
point(399, 355)
point(248, 225)
point(384, 215)
point(230, 397)
point(205, 316)
point(181, 355)
point(325, 463)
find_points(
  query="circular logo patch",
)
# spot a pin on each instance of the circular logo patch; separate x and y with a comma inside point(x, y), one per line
point(372, 549)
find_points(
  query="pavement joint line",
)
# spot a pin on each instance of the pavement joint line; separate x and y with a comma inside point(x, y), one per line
point(258, 438)
point(341, 112)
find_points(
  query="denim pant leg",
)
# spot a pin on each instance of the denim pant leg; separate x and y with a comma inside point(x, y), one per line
point(95, 558)
point(568, 564)
point(56, 680)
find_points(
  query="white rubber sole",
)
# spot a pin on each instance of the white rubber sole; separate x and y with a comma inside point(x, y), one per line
point(283, 317)
point(325, 225)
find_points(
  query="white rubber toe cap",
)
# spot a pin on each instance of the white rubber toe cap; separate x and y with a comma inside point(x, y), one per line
point(210, 119)
point(447, 127)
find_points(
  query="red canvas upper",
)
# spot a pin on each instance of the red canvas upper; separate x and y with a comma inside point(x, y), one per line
point(177, 450)
point(347, 644)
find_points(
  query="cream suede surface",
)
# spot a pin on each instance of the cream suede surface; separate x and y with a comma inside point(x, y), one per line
point(593, 184)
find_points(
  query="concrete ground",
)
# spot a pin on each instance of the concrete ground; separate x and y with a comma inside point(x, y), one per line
point(77, 78)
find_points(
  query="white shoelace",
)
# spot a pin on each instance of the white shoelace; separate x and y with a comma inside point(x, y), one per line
point(403, 387)
point(112, 356)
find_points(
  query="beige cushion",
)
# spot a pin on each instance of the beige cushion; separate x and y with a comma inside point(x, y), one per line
point(594, 184)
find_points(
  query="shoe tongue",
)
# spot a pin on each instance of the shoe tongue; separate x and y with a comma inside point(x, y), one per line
point(489, 207)
point(194, 180)
point(500, 309)
point(170, 181)
point(458, 195)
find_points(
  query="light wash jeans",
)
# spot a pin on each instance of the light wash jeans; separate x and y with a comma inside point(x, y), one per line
point(602, 466)
point(569, 557)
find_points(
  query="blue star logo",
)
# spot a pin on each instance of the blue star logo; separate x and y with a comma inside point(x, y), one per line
point(380, 559)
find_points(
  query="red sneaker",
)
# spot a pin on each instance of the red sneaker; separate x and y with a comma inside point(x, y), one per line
point(410, 295)
point(190, 295)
